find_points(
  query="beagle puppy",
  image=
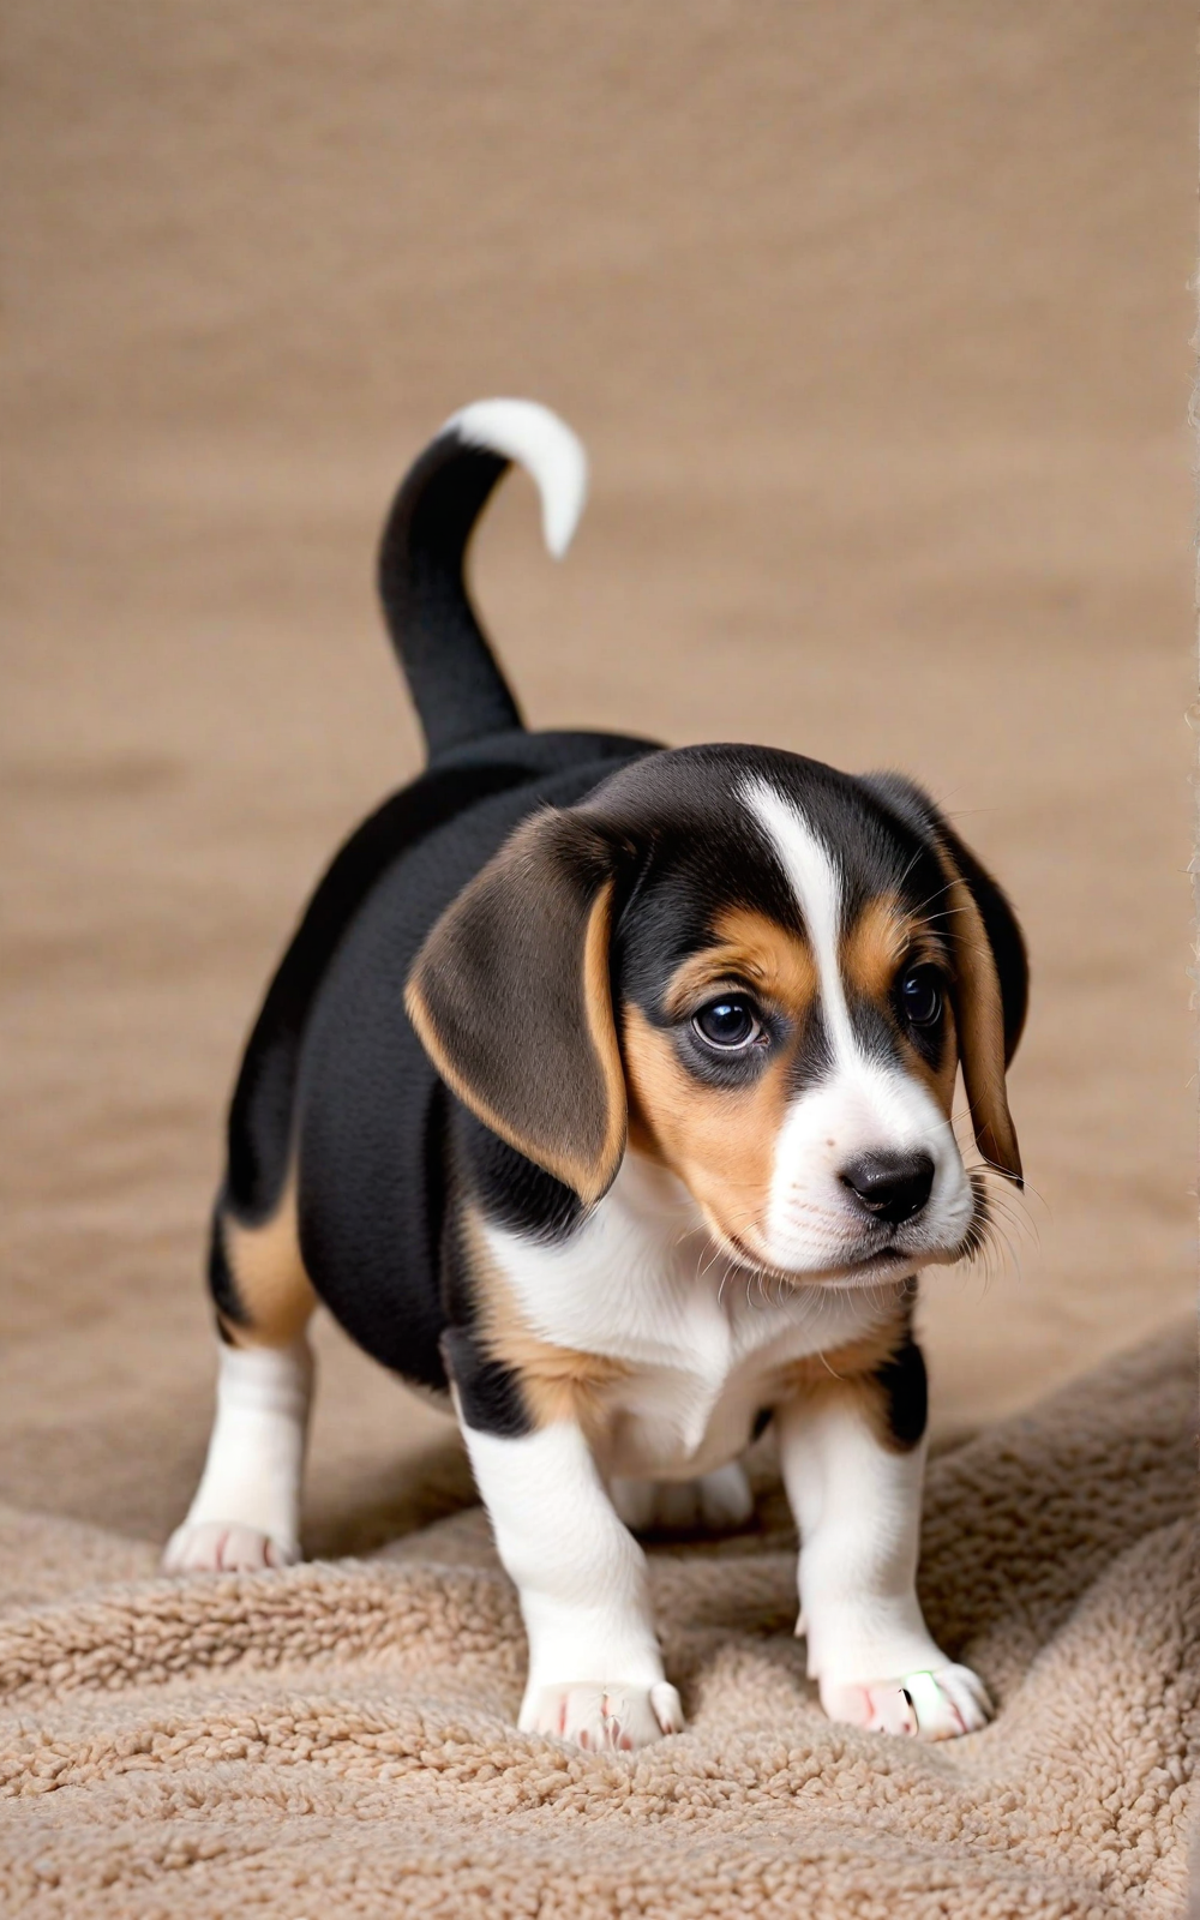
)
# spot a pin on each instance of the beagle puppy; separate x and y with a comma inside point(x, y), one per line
point(605, 1091)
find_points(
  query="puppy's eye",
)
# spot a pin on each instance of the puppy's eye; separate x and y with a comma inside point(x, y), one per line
point(729, 1024)
point(920, 994)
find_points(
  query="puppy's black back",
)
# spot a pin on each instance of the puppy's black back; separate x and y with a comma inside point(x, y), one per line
point(335, 1082)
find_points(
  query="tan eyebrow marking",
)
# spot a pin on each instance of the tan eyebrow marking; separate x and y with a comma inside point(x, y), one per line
point(753, 950)
point(884, 933)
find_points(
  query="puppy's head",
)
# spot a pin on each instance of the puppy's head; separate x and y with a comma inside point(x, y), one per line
point(763, 974)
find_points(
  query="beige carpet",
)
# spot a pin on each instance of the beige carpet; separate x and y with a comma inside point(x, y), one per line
point(337, 1739)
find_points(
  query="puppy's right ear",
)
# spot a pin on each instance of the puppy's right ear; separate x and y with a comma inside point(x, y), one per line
point(990, 965)
point(510, 998)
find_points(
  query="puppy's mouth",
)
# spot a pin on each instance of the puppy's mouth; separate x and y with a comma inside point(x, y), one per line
point(855, 1269)
point(868, 1264)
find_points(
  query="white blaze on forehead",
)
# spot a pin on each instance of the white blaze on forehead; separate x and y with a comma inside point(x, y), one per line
point(817, 886)
point(865, 1105)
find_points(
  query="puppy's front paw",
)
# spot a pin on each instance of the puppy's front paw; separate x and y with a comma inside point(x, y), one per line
point(612, 1719)
point(936, 1705)
point(220, 1546)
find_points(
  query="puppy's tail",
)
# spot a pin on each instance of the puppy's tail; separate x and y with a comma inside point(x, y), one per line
point(458, 690)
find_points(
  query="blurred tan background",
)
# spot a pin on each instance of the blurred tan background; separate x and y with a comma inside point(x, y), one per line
point(876, 323)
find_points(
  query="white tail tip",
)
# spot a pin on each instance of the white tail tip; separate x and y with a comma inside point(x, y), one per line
point(545, 446)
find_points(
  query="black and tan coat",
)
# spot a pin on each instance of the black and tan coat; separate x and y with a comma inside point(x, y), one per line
point(607, 1091)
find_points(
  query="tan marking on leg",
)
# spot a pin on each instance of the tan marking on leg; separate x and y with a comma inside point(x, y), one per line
point(845, 1364)
point(557, 1383)
point(849, 1373)
point(269, 1275)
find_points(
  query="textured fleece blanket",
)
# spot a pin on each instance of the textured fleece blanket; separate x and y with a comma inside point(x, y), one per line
point(337, 1739)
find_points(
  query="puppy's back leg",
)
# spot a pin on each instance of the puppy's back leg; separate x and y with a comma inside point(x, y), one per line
point(246, 1513)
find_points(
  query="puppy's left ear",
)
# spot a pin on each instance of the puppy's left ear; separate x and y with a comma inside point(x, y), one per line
point(991, 968)
point(510, 998)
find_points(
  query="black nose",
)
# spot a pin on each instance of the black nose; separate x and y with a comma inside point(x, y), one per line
point(891, 1186)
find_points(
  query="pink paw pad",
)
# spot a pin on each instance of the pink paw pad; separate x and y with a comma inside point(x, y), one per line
point(218, 1546)
point(938, 1705)
point(604, 1719)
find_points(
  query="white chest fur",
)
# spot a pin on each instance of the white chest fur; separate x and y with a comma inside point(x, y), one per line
point(704, 1342)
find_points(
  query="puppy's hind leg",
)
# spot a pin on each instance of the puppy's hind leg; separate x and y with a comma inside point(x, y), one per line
point(246, 1512)
point(717, 1502)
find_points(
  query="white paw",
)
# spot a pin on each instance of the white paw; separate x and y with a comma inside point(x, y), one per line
point(717, 1502)
point(604, 1719)
point(937, 1705)
point(222, 1546)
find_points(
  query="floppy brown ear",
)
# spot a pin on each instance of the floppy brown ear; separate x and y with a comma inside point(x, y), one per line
point(979, 1016)
point(510, 998)
point(991, 972)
